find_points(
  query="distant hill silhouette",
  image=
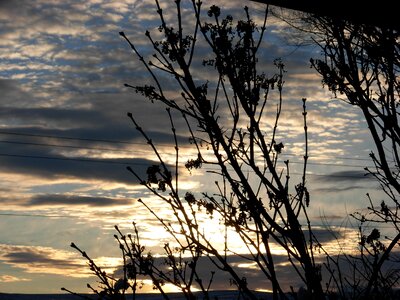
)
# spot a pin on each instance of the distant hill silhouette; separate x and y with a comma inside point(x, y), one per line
point(222, 295)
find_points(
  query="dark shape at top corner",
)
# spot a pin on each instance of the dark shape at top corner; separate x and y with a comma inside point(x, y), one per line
point(382, 14)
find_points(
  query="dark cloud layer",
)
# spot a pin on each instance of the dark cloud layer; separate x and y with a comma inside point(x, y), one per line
point(345, 176)
point(339, 189)
point(62, 199)
point(108, 170)
point(30, 257)
point(59, 116)
point(223, 280)
point(48, 162)
point(40, 155)
point(40, 259)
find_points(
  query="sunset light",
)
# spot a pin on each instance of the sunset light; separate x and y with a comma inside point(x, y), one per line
point(87, 148)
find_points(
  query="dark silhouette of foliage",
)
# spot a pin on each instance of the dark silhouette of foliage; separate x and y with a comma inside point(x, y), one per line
point(255, 195)
point(263, 210)
point(360, 65)
point(268, 206)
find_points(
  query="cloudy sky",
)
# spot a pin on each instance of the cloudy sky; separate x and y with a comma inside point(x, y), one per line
point(65, 140)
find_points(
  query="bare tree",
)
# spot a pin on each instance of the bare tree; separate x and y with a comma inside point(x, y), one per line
point(254, 196)
point(360, 65)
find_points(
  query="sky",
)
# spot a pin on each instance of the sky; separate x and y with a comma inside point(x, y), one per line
point(65, 138)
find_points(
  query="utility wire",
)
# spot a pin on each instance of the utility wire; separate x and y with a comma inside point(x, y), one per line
point(37, 215)
point(139, 164)
point(63, 146)
point(72, 159)
point(120, 150)
point(90, 218)
point(66, 137)
point(118, 142)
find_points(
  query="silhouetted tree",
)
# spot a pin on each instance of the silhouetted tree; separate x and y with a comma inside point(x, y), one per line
point(227, 118)
point(360, 65)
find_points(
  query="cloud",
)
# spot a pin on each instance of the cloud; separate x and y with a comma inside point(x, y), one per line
point(46, 162)
point(336, 189)
point(345, 176)
point(40, 155)
point(48, 260)
point(45, 260)
point(62, 74)
point(223, 280)
point(245, 268)
point(54, 117)
point(106, 170)
point(10, 278)
point(346, 182)
point(65, 199)
point(13, 94)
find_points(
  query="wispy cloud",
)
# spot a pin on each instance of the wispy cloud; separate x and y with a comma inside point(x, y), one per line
point(346, 176)
point(338, 189)
point(10, 278)
point(46, 260)
point(65, 199)
point(106, 170)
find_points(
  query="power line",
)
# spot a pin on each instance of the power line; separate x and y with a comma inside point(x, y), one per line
point(136, 143)
point(141, 164)
point(67, 137)
point(62, 146)
point(37, 215)
point(121, 142)
point(91, 218)
point(120, 150)
point(72, 159)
